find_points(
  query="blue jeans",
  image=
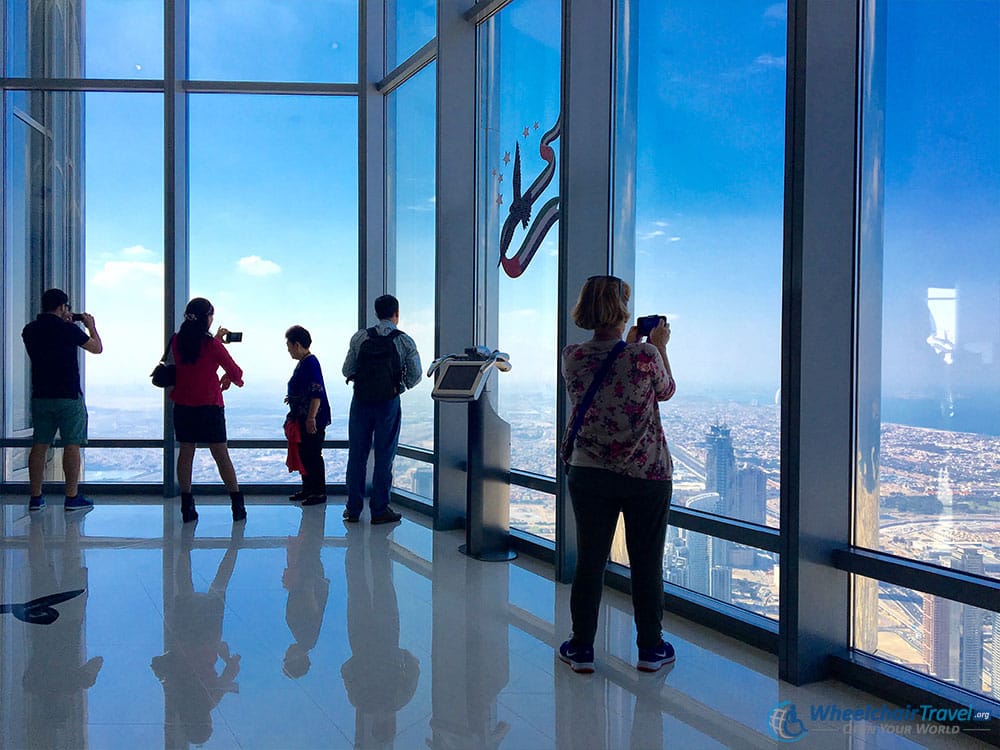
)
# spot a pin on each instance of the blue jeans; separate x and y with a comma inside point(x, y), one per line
point(371, 424)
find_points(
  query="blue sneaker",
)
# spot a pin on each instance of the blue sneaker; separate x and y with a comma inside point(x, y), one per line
point(77, 503)
point(580, 658)
point(36, 503)
point(650, 660)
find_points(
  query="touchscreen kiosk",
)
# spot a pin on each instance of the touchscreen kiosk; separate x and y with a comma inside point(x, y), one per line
point(464, 378)
point(461, 380)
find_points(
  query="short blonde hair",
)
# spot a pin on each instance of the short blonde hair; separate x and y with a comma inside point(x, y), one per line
point(603, 302)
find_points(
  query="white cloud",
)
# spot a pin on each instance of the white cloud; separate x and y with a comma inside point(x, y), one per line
point(675, 239)
point(650, 235)
point(254, 265)
point(661, 223)
point(768, 60)
point(128, 273)
point(138, 251)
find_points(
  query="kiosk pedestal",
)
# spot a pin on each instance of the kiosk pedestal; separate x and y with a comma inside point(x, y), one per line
point(463, 378)
point(487, 526)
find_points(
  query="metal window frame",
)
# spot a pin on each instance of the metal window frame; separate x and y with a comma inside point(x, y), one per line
point(817, 334)
point(408, 68)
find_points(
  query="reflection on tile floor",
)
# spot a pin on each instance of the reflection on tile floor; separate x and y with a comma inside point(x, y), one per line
point(300, 631)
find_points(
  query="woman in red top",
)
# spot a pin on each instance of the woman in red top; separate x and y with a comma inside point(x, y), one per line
point(199, 412)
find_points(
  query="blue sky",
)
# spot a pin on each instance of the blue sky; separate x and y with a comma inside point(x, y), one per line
point(942, 178)
point(709, 186)
point(273, 179)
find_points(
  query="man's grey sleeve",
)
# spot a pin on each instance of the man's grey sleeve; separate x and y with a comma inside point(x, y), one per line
point(412, 372)
point(351, 360)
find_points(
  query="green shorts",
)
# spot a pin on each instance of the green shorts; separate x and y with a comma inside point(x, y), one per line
point(68, 415)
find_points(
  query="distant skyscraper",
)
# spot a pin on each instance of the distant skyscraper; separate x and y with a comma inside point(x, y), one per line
point(699, 567)
point(953, 632)
point(751, 494)
point(973, 620)
point(675, 563)
point(941, 641)
point(720, 467)
point(722, 581)
point(709, 570)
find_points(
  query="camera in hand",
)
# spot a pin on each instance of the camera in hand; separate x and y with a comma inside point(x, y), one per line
point(647, 323)
point(233, 337)
point(77, 317)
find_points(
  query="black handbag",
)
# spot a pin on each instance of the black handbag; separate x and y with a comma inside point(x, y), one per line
point(164, 375)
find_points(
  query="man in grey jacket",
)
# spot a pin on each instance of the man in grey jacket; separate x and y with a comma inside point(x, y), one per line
point(382, 362)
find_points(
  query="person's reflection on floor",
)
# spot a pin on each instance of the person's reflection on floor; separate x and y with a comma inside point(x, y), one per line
point(308, 590)
point(647, 716)
point(380, 677)
point(587, 711)
point(192, 685)
point(57, 674)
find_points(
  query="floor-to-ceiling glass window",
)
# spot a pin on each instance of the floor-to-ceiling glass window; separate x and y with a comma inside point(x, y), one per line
point(43, 194)
point(273, 242)
point(85, 176)
point(929, 350)
point(273, 205)
point(519, 161)
point(708, 255)
point(123, 229)
point(410, 248)
point(26, 138)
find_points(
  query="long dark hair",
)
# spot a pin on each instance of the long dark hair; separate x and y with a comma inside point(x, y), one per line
point(194, 329)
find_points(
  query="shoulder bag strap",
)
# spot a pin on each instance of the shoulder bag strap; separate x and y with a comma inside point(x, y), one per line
point(166, 352)
point(588, 397)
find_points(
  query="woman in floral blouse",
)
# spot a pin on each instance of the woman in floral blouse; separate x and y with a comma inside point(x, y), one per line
point(619, 463)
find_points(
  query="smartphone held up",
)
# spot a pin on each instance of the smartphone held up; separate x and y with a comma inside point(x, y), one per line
point(647, 323)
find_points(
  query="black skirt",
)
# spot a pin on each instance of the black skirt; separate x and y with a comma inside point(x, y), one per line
point(199, 424)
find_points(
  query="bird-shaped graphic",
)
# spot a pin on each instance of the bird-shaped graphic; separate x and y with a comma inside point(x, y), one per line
point(40, 611)
point(521, 205)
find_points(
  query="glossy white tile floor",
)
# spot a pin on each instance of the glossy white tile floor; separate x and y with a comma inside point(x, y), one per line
point(302, 632)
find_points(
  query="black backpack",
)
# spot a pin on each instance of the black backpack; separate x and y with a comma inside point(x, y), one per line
point(379, 372)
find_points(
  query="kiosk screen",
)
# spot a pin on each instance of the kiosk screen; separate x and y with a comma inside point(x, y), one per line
point(459, 376)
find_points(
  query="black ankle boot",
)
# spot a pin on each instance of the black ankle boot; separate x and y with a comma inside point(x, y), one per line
point(239, 509)
point(188, 513)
